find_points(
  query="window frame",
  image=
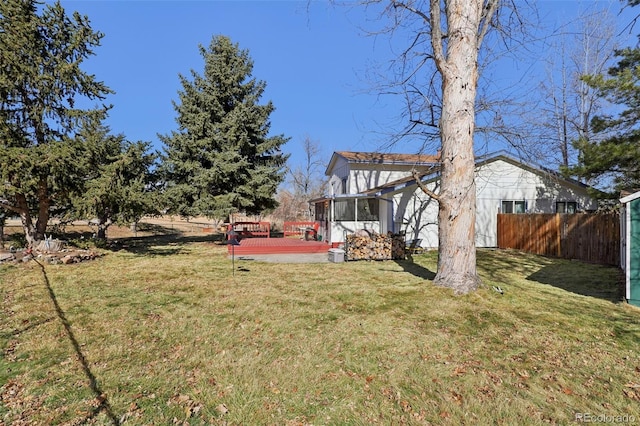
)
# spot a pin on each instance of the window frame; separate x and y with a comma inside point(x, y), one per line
point(566, 206)
point(513, 206)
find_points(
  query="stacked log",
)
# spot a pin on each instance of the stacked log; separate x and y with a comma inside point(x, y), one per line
point(398, 246)
point(371, 246)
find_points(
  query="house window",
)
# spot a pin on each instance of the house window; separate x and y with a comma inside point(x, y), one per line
point(566, 207)
point(511, 206)
point(344, 185)
point(368, 209)
point(345, 210)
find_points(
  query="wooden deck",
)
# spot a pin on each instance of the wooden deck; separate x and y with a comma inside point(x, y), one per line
point(278, 246)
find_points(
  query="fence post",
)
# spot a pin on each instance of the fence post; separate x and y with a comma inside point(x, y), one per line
point(559, 234)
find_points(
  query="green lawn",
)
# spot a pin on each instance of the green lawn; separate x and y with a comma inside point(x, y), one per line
point(164, 334)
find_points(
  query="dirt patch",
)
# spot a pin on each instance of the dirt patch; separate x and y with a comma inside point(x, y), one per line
point(64, 256)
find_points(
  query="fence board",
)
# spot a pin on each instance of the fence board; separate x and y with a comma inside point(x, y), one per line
point(592, 238)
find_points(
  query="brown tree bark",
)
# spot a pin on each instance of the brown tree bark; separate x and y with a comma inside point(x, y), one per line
point(22, 208)
point(457, 62)
point(44, 203)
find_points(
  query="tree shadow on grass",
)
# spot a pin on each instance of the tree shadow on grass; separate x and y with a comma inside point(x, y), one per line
point(599, 281)
point(602, 282)
point(161, 245)
point(415, 269)
point(102, 399)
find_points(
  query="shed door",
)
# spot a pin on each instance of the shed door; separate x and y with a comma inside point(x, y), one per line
point(634, 249)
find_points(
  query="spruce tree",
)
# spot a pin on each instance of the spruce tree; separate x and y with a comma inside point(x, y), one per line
point(41, 86)
point(119, 185)
point(221, 159)
point(614, 156)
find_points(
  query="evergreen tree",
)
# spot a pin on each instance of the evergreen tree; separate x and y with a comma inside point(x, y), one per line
point(615, 156)
point(221, 159)
point(119, 183)
point(40, 85)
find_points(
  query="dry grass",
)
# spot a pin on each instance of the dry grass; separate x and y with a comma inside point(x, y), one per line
point(162, 333)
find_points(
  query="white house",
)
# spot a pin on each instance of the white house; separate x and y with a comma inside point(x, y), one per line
point(377, 192)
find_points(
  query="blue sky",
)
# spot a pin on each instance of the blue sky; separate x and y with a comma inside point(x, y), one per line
point(313, 57)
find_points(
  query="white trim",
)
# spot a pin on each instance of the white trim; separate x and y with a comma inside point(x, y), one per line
point(630, 198)
point(627, 249)
point(626, 201)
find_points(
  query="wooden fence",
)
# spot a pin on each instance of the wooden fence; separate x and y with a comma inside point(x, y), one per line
point(592, 238)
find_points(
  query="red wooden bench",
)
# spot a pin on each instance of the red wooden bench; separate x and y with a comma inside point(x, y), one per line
point(251, 229)
point(299, 228)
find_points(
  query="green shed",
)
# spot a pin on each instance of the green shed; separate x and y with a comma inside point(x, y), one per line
point(630, 237)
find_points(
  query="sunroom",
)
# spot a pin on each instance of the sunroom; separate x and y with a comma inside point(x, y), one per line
point(345, 214)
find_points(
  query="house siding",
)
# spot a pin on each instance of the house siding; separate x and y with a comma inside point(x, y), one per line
point(366, 176)
point(340, 171)
point(416, 214)
point(502, 180)
point(410, 210)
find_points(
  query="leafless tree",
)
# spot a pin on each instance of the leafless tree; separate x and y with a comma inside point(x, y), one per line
point(441, 106)
point(568, 104)
point(305, 182)
point(307, 179)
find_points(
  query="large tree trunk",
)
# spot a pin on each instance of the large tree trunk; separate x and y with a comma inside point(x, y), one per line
point(25, 219)
point(457, 200)
point(34, 232)
point(103, 224)
point(44, 203)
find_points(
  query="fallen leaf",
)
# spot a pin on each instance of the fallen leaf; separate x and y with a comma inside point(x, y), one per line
point(459, 371)
point(631, 394)
point(457, 398)
point(222, 409)
point(405, 405)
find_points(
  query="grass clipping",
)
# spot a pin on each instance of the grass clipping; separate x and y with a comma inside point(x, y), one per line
point(167, 335)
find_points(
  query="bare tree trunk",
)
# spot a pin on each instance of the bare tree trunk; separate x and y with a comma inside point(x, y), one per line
point(25, 219)
point(103, 224)
point(44, 202)
point(457, 200)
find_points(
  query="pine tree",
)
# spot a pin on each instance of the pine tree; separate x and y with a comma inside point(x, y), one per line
point(119, 183)
point(40, 85)
point(221, 159)
point(614, 156)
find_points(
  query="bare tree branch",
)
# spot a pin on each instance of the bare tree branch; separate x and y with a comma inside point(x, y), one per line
point(487, 17)
point(423, 187)
point(437, 36)
point(9, 207)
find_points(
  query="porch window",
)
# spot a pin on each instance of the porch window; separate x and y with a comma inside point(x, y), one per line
point(510, 206)
point(368, 209)
point(321, 211)
point(345, 210)
point(566, 207)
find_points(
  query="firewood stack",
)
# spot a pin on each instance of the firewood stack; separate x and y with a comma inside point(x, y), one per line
point(372, 246)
